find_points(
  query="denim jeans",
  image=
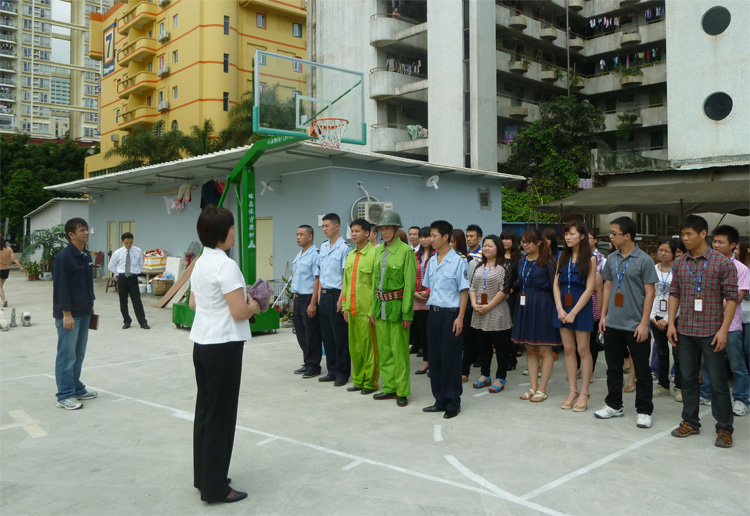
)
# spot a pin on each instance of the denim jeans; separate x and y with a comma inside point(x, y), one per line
point(71, 349)
point(691, 349)
point(746, 343)
point(736, 355)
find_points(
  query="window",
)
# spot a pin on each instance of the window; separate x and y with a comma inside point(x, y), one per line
point(260, 20)
point(161, 28)
point(150, 66)
point(175, 125)
point(226, 25)
point(148, 101)
point(90, 132)
point(485, 199)
point(160, 96)
point(226, 101)
point(392, 113)
point(716, 20)
point(296, 66)
point(262, 59)
point(174, 92)
point(717, 106)
point(657, 140)
point(175, 57)
point(226, 63)
point(175, 21)
point(297, 30)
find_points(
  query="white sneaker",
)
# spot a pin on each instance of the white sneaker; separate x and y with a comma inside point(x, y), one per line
point(660, 391)
point(70, 404)
point(643, 421)
point(525, 372)
point(607, 412)
point(739, 408)
point(705, 401)
point(678, 395)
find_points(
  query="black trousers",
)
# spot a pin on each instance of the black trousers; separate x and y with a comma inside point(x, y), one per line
point(218, 370)
point(308, 332)
point(662, 350)
point(471, 347)
point(335, 332)
point(616, 345)
point(128, 286)
point(445, 360)
point(419, 326)
point(497, 343)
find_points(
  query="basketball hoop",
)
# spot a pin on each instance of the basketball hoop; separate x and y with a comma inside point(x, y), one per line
point(329, 131)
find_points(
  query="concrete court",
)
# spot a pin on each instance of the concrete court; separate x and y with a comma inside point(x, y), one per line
point(307, 447)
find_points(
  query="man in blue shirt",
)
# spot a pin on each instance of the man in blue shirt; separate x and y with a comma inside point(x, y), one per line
point(305, 287)
point(447, 279)
point(335, 331)
point(72, 306)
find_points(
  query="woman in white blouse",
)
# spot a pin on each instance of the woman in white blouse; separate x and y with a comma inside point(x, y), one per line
point(219, 331)
point(659, 320)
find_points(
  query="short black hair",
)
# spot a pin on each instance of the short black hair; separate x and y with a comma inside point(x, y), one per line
point(424, 232)
point(414, 227)
point(728, 231)
point(695, 222)
point(627, 226)
point(73, 224)
point(332, 217)
point(213, 225)
point(308, 228)
point(477, 229)
point(443, 226)
point(125, 235)
point(366, 226)
point(679, 244)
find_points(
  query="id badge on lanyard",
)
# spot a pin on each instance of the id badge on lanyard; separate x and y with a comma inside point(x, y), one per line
point(522, 299)
point(663, 305)
point(569, 299)
point(698, 304)
point(483, 300)
point(618, 299)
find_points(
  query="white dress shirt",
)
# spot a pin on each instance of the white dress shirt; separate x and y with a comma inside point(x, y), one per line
point(117, 260)
point(214, 275)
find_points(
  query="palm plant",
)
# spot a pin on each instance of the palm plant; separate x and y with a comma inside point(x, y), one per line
point(49, 241)
point(146, 146)
point(202, 139)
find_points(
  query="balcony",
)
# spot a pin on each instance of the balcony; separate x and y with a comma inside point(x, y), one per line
point(163, 36)
point(10, 38)
point(138, 50)
point(6, 66)
point(630, 38)
point(387, 138)
point(517, 108)
point(139, 116)
point(650, 75)
point(548, 33)
point(517, 22)
point(6, 7)
point(518, 67)
point(386, 31)
point(388, 82)
point(9, 97)
point(631, 80)
point(137, 84)
point(8, 52)
point(162, 3)
point(8, 23)
point(140, 15)
point(576, 43)
point(7, 81)
point(576, 5)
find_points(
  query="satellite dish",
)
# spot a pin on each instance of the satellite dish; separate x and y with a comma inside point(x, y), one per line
point(433, 181)
point(266, 186)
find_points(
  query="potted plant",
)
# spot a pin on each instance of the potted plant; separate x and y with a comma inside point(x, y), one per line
point(32, 271)
point(48, 241)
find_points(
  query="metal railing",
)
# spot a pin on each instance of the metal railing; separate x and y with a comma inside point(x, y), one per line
point(397, 17)
point(398, 71)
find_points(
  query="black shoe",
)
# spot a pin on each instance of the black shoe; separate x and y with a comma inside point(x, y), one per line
point(421, 371)
point(327, 378)
point(419, 354)
point(301, 370)
point(384, 396)
point(145, 326)
point(311, 374)
point(229, 480)
point(451, 413)
point(236, 498)
point(340, 382)
point(413, 350)
point(353, 388)
point(432, 408)
point(126, 326)
point(364, 392)
point(401, 401)
point(477, 364)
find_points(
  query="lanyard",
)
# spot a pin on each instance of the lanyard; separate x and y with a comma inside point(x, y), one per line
point(570, 260)
point(484, 270)
point(524, 274)
point(617, 271)
point(698, 281)
point(664, 280)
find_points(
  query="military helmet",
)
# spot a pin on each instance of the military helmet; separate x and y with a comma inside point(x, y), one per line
point(390, 218)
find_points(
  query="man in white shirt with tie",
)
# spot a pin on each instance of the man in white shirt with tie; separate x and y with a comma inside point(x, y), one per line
point(126, 264)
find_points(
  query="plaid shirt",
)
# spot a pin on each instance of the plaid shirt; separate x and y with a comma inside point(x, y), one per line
point(719, 283)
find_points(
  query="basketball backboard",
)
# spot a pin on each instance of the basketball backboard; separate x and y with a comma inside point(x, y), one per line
point(290, 93)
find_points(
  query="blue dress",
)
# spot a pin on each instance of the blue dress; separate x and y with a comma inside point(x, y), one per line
point(584, 321)
point(531, 322)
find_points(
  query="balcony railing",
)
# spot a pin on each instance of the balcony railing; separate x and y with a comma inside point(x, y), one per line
point(137, 50)
point(390, 82)
point(7, 7)
point(7, 37)
point(138, 83)
point(8, 23)
point(140, 15)
point(141, 115)
point(7, 81)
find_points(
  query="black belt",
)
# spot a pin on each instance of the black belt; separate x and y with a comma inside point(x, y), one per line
point(441, 309)
point(302, 295)
point(331, 290)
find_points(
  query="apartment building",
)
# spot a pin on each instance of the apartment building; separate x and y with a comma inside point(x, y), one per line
point(28, 103)
point(183, 61)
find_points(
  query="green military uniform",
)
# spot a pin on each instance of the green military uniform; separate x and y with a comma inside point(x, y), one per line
point(356, 299)
point(398, 273)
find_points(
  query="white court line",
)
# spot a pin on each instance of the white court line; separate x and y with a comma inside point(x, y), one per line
point(483, 393)
point(351, 465)
point(438, 433)
point(27, 423)
point(266, 441)
point(601, 462)
point(500, 493)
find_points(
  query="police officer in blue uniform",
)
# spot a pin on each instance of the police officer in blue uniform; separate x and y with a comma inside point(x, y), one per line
point(447, 279)
point(305, 286)
point(334, 328)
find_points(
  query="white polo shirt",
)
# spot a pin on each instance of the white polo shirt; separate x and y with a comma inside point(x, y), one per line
point(215, 275)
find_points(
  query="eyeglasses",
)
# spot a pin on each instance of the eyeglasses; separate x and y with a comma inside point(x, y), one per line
point(612, 233)
point(664, 251)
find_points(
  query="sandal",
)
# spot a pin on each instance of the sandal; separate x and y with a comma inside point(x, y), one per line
point(628, 387)
point(480, 384)
point(539, 396)
point(528, 394)
point(464, 378)
point(566, 405)
point(582, 408)
point(494, 389)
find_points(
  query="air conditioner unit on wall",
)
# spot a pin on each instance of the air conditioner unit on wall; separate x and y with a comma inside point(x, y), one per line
point(164, 70)
point(371, 211)
point(163, 105)
point(162, 3)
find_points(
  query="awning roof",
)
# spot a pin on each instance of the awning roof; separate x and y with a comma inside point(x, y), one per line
point(219, 164)
point(50, 203)
point(699, 197)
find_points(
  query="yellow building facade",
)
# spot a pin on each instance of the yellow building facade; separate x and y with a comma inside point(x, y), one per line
point(183, 61)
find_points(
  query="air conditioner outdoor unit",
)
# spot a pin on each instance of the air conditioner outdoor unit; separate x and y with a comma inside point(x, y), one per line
point(162, 3)
point(371, 211)
point(163, 36)
point(164, 70)
point(164, 104)
point(115, 137)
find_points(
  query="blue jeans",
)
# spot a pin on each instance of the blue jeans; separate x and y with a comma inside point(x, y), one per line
point(71, 349)
point(736, 355)
point(746, 343)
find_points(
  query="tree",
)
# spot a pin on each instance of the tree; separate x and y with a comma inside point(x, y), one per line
point(146, 146)
point(553, 152)
point(201, 139)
